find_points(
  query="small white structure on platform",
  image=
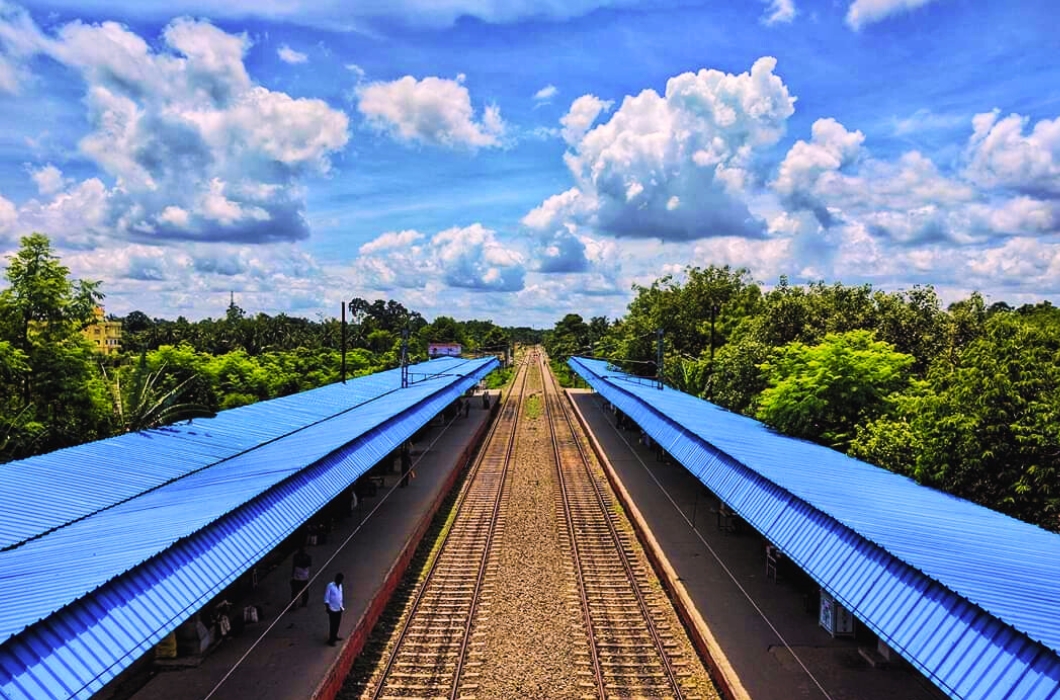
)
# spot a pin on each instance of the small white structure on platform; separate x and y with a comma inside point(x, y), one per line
point(444, 349)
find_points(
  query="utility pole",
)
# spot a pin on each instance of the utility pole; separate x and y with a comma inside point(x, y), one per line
point(710, 370)
point(405, 357)
point(659, 358)
point(343, 370)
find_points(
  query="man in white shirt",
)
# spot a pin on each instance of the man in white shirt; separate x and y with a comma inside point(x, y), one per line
point(333, 603)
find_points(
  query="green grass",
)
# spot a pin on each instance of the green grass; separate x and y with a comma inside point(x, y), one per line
point(499, 378)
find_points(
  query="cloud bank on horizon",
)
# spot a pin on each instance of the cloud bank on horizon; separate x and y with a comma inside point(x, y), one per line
point(301, 154)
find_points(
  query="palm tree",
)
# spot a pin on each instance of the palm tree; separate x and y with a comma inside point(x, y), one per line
point(143, 404)
point(21, 435)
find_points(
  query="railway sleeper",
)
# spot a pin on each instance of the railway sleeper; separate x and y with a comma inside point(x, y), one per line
point(625, 647)
point(645, 655)
point(638, 665)
point(416, 661)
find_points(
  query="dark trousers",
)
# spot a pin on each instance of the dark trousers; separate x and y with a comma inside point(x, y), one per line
point(300, 589)
point(334, 618)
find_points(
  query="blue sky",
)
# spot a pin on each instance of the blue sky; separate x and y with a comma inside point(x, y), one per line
point(523, 160)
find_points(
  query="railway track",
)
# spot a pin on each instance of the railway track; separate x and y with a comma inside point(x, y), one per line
point(632, 649)
point(537, 586)
point(428, 656)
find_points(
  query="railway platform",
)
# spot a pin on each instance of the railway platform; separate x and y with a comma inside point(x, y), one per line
point(285, 655)
point(761, 619)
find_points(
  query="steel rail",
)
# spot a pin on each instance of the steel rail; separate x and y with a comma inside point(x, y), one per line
point(418, 598)
point(553, 399)
point(575, 551)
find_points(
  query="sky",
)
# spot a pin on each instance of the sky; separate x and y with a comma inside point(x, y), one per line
point(518, 161)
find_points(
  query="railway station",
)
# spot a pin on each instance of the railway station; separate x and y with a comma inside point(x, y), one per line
point(963, 595)
point(793, 578)
point(110, 548)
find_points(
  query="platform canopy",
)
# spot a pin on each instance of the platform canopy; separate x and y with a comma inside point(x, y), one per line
point(969, 596)
point(105, 548)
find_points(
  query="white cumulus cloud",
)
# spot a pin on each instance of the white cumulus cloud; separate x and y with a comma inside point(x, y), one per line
point(546, 93)
point(779, 11)
point(468, 257)
point(581, 115)
point(289, 55)
point(168, 124)
point(48, 179)
point(831, 148)
point(435, 111)
point(392, 240)
point(908, 201)
point(865, 12)
point(676, 166)
point(999, 153)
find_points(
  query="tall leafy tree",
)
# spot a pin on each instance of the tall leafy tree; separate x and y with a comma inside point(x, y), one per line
point(41, 315)
point(444, 329)
point(983, 427)
point(569, 337)
point(822, 392)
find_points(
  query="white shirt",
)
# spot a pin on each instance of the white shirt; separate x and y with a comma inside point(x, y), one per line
point(333, 597)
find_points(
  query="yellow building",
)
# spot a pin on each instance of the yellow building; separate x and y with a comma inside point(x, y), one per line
point(104, 334)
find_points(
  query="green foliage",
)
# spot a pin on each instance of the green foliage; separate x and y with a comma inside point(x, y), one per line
point(983, 427)
point(141, 403)
point(52, 395)
point(697, 315)
point(563, 373)
point(688, 374)
point(499, 378)
point(738, 379)
point(444, 329)
point(569, 337)
point(821, 392)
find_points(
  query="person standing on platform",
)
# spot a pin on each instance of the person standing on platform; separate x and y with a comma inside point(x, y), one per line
point(333, 603)
point(300, 576)
point(406, 464)
point(485, 400)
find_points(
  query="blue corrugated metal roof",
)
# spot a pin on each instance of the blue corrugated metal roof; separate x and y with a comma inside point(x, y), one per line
point(48, 491)
point(122, 572)
point(968, 595)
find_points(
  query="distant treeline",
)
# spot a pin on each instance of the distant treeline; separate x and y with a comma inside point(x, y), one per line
point(964, 398)
point(56, 391)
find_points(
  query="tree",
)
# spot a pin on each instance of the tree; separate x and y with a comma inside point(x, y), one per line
point(913, 321)
point(983, 427)
point(40, 299)
point(738, 378)
point(569, 337)
point(444, 329)
point(823, 392)
point(142, 403)
point(41, 316)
